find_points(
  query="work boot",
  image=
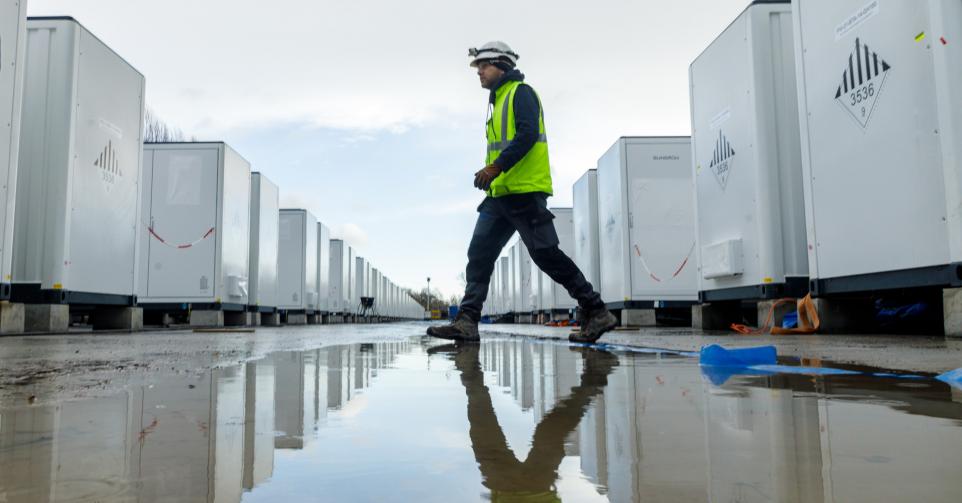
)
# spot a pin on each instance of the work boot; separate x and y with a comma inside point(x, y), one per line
point(463, 328)
point(594, 323)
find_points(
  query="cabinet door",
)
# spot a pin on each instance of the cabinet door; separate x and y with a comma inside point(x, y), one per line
point(612, 222)
point(661, 222)
point(290, 264)
point(183, 218)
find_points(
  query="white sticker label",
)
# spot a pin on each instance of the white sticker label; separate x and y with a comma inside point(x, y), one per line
point(111, 128)
point(857, 19)
point(184, 178)
point(721, 118)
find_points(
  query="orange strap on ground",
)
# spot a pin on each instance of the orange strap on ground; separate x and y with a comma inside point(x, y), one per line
point(808, 321)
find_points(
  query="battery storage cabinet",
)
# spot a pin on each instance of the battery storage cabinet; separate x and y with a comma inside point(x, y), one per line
point(585, 222)
point(297, 265)
point(13, 35)
point(747, 160)
point(646, 224)
point(265, 220)
point(76, 222)
point(553, 298)
point(881, 92)
point(197, 210)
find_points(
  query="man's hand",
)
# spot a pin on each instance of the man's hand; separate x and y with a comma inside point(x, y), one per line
point(483, 178)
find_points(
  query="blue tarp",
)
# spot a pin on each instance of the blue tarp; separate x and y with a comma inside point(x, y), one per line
point(813, 371)
point(718, 356)
point(953, 378)
point(790, 320)
point(719, 364)
point(889, 315)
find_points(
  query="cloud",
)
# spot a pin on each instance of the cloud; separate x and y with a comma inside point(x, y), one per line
point(333, 64)
point(353, 234)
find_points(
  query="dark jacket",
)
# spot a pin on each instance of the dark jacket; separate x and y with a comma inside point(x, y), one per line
point(527, 116)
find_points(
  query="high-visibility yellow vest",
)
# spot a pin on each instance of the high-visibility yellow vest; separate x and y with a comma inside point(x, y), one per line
point(533, 172)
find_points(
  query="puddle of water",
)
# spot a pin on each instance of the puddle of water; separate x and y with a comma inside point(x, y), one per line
point(507, 420)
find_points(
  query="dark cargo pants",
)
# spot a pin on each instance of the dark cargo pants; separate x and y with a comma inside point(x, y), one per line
point(528, 214)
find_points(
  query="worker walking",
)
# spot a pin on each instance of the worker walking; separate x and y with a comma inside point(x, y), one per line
point(517, 180)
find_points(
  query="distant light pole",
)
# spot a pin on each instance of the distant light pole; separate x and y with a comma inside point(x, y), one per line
point(430, 313)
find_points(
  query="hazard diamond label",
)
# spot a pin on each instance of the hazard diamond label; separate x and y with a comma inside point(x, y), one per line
point(862, 83)
point(722, 159)
point(109, 165)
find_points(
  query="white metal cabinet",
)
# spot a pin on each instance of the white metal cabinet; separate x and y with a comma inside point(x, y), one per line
point(368, 292)
point(646, 223)
point(79, 168)
point(297, 263)
point(509, 281)
point(554, 296)
point(340, 274)
point(360, 282)
point(522, 278)
point(197, 232)
point(747, 160)
point(880, 85)
point(585, 218)
point(351, 279)
point(183, 213)
point(537, 302)
point(503, 286)
point(13, 35)
point(374, 286)
point(265, 219)
point(323, 268)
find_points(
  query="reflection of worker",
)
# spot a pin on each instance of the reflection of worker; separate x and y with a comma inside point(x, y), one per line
point(517, 179)
point(531, 480)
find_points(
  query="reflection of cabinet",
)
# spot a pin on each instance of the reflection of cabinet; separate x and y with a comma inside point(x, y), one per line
point(763, 445)
point(188, 439)
point(655, 433)
point(646, 221)
point(289, 407)
point(259, 423)
point(29, 457)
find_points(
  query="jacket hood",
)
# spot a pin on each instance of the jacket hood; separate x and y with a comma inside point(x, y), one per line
point(514, 75)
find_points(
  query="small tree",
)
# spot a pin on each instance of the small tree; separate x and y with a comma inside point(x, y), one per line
point(423, 297)
point(158, 131)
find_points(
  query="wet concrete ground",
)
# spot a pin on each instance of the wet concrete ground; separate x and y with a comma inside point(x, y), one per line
point(897, 352)
point(380, 413)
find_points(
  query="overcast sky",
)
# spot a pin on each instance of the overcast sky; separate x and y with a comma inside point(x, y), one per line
point(366, 113)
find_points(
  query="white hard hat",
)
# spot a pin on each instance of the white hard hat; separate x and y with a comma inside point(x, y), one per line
point(492, 50)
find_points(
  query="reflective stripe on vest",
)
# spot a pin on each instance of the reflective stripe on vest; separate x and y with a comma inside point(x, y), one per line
point(503, 144)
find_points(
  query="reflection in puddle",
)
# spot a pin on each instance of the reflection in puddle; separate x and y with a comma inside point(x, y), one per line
point(507, 420)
